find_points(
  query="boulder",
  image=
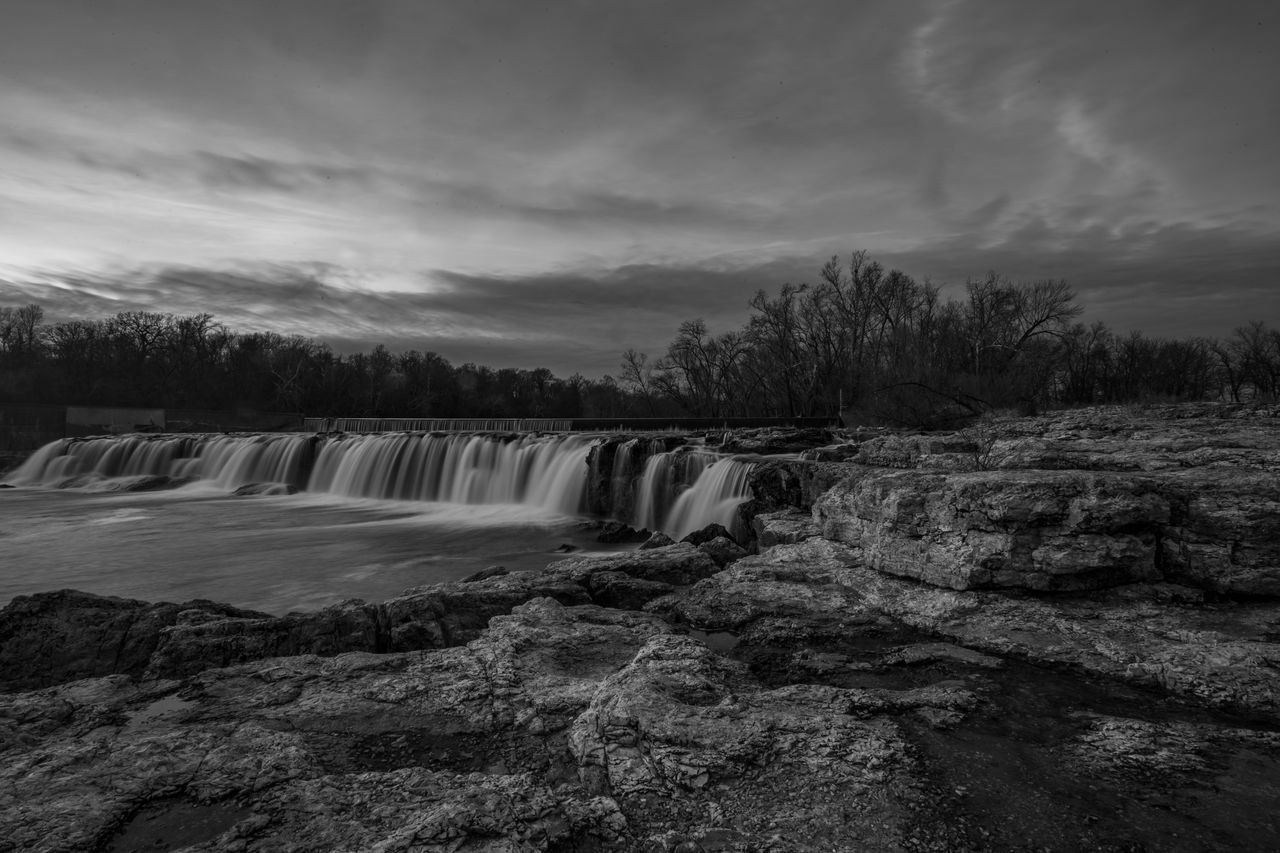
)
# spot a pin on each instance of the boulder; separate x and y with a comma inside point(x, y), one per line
point(615, 532)
point(624, 592)
point(723, 550)
point(706, 534)
point(1037, 530)
point(657, 540)
point(783, 527)
point(485, 573)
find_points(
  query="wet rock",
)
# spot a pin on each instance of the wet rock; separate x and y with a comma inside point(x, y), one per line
point(615, 532)
point(430, 617)
point(1036, 530)
point(145, 483)
point(485, 573)
point(842, 452)
point(250, 489)
point(657, 540)
point(722, 550)
point(706, 534)
point(624, 592)
point(781, 483)
point(53, 637)
point(188, 648)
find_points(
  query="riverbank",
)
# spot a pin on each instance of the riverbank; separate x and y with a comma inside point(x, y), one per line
point(1047, 633)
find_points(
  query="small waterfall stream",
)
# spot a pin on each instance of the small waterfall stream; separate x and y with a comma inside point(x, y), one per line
point(676, 491)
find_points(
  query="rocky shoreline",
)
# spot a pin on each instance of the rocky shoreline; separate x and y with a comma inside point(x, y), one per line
point(1051, 633)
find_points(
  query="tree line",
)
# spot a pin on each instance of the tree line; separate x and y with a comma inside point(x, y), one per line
point(886, 348)
point(870, 341)
point(147, 359)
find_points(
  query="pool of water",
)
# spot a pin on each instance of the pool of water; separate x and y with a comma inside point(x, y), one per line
point(270, 553)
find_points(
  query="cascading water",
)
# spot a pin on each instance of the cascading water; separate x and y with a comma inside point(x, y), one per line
point(682, 491)
point(677, 491)
point(465, 469)
point(713, 498)
point(228, 461)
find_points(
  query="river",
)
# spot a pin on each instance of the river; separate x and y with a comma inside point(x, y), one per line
point(271, 553)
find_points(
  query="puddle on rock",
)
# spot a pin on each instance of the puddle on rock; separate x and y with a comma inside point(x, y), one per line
point(722, 642)
point(165, 706)
point(1020, 772)
point(384, 751)
point(174, 825)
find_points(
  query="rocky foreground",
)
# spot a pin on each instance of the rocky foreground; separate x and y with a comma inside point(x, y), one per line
point(1054, 633)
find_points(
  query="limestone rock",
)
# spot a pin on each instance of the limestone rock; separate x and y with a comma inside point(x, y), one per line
point(722, 550)
point(1224, 535)
point(1040, 530)
point(61, 636)
point(680, 723)
point(358, 752)
point(679, 564)
point(624, 592)
point(615, 531)
point(708, 533)
point(784, 527)
point(1227, 656)
point(657, 540)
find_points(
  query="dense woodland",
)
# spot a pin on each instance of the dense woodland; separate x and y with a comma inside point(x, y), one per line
point(875, 342)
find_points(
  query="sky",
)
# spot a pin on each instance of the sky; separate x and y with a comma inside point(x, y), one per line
point(530, 184)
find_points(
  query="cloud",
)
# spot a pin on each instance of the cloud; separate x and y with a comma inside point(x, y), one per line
point(1169, 280)
point(571, 322)
point(556, 183)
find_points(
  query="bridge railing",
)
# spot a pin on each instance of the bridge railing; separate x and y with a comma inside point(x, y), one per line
point(554, 424)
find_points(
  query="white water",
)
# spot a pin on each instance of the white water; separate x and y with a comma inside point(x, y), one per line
point(713, 498)
point(461, 469)
point(677, 491)
point(394, 511)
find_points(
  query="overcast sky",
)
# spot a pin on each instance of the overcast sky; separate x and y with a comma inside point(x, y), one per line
point(522, 183)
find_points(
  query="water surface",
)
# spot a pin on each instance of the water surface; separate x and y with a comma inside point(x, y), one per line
point(271, 553)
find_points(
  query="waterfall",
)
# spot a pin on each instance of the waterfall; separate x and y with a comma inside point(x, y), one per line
point(713, 498)
point(675, 491)
point(228, 461)
point(622, 482)
point(668, 477)
point(467, 469)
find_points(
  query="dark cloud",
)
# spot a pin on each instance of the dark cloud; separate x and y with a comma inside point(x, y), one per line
point(572, 322)
point(1166, 280)
point(590, 174)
